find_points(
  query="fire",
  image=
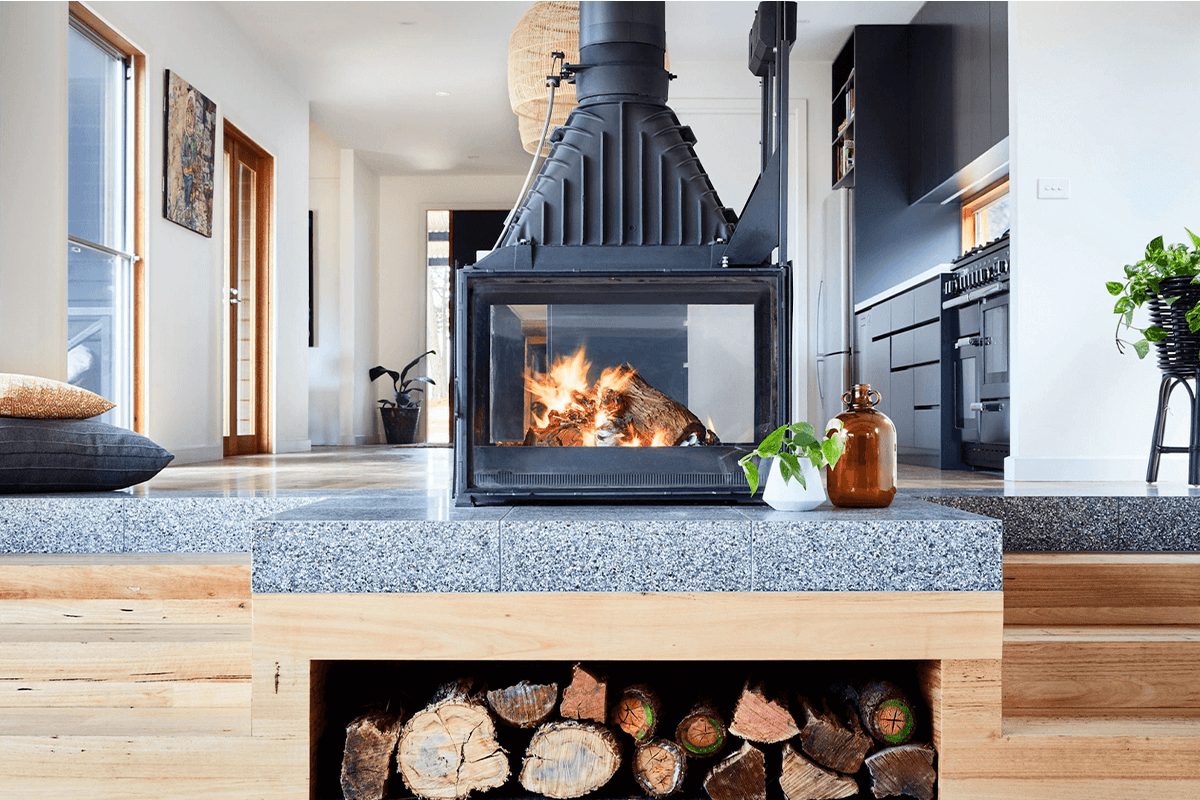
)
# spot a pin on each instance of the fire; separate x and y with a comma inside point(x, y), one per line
point(592, 413)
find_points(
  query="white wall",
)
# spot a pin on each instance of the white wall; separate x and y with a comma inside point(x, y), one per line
point(324, 197)
point(184, 269)
point(359, 282)
point(1100, 93)
point(33, 189)
point(403, 203)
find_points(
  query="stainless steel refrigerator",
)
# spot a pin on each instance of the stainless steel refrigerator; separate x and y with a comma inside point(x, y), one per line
point(834, 323)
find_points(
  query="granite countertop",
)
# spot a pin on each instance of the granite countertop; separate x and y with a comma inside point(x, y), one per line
point(415, 542)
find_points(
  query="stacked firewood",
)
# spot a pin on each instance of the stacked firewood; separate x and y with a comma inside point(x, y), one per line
point(842, 742)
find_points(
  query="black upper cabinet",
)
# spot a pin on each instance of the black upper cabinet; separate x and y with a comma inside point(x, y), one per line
point(959, 76)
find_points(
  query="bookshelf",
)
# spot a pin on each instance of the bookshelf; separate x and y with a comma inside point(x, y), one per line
point(842, 117)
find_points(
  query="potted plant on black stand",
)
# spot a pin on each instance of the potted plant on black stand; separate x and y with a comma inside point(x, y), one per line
point(1167, 280)
point(401, 415)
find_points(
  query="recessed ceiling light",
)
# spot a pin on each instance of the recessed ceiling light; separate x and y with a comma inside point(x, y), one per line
point(472, 156)
point(442, 94)
point(408, 23)
point(803, 21)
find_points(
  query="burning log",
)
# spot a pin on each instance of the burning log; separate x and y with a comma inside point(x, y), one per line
point(702, 731)
point(660, 767)
point(524, 705)
point(740, 776)
point(449, 749)
point(833, 741)
point(886, 713)
point(366, 761)
point(569, 759)
point(586, 697)
point(906, 769)
point(757, 719)
point(802, 779)
point(636, 712)
point(621, 408)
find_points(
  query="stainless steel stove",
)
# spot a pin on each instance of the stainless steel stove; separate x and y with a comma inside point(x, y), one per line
point(975, 301)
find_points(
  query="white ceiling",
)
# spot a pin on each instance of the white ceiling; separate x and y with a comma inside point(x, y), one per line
point(371, 70)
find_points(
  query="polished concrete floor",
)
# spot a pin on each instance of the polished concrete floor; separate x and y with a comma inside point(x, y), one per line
point(326, 470)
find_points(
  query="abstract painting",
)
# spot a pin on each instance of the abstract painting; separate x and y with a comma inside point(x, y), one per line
point(189, 142)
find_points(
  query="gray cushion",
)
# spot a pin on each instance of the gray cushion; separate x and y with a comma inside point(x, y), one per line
point(74, 455)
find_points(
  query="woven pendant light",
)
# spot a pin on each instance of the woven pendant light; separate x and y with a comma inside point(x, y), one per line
point(546, 27)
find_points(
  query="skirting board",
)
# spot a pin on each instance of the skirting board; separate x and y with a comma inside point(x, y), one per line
point(195, 455)
point(1037, 468)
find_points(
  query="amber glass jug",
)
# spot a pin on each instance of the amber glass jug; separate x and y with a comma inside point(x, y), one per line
point(865, 477)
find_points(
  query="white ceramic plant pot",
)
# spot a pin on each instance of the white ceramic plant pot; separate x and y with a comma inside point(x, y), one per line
point(791, 496)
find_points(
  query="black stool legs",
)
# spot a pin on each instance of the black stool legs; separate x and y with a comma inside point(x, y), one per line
point(1169, 382)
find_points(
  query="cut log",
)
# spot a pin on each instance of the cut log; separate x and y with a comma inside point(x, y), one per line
point(757, 719)
point(649, 410)
point(524, 705)
point(906, 769)
point(449, 749)
point(802, 779)
point(837, 742)
point(569, 759)
point(702, 732)
point(886, 713)
point(586, 697)
point(659, 767)
point(636, 713)
point(739, 776)
point(367, 759)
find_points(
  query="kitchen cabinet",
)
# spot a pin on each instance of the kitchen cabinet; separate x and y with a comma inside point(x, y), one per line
point(959, 91)
point(900, 354)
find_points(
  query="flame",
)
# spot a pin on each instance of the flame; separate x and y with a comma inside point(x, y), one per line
point(564, 394)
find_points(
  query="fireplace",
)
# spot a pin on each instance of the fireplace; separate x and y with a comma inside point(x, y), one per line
point(629, 336)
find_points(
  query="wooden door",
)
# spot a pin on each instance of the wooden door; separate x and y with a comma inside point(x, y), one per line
point(248, 182)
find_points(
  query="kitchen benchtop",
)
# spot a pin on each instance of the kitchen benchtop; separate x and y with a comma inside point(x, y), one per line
point(409, 541)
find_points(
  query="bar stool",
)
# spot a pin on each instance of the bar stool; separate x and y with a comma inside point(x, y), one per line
point(1169, 382)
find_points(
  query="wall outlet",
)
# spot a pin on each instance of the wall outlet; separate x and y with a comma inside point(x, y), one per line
point(1054, 188)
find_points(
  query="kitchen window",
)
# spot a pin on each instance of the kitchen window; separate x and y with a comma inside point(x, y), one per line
point(103, 226)
point(986, 215)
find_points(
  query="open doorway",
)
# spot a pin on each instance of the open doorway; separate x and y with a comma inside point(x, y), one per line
point(248, 203)
point(452, 240)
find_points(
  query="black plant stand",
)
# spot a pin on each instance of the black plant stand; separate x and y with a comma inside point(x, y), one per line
point(1169, 382)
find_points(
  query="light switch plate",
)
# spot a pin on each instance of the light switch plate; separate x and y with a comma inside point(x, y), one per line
point(1054, 188)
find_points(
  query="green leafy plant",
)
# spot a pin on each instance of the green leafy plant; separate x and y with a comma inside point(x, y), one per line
point(789, 444)
point(1144, 279)
point(403, 384)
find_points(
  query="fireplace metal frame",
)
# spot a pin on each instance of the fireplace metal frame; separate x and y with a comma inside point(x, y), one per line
point(492, 474)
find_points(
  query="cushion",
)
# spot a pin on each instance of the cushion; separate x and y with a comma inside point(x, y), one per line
point(74, 455)
point(42, 398)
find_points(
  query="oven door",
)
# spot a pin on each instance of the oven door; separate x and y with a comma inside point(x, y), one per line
point(992, 370)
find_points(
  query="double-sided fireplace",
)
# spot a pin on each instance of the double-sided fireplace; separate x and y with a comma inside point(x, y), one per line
point(629, 336)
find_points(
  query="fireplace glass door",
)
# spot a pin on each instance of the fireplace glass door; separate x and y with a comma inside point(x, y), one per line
point(612, 385)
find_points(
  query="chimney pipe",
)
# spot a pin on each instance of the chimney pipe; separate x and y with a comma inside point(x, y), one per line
point(622, 47)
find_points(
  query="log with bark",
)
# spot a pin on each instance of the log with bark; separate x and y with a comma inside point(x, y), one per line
point(569, 759)
point(833, 740)
point(702, 731)
point(759, 719)
point(903, 770)
point(525, 704)
point(886, 713)
point(586, 697)
point(367, 758)
point(660, 767)
point(636, 712)
point(739, 776)
point(449, 749)
point(802, 779)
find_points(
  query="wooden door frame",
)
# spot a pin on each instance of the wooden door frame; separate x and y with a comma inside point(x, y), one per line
point(263, 289)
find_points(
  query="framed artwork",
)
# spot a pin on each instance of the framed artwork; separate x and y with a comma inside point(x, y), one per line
point(189, 144)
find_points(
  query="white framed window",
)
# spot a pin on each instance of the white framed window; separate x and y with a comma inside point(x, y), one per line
point(100, 258)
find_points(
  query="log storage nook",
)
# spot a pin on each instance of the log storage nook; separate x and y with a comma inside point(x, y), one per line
point(381, 647)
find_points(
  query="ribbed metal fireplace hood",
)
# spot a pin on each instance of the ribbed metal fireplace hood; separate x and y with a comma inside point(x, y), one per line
point(622, 187)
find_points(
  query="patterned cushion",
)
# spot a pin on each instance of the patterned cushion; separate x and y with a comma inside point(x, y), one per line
point(41, 398)
point(74, 455)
